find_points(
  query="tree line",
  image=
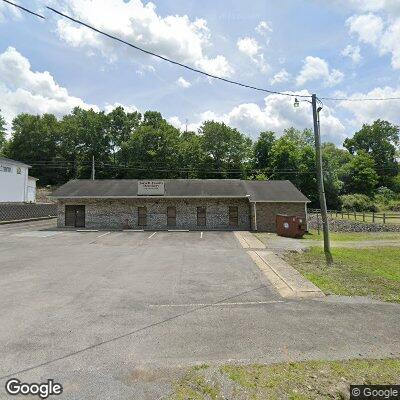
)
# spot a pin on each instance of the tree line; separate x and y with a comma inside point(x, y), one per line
point(142, 146)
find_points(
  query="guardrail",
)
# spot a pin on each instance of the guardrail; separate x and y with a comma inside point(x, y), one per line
point(382, 218)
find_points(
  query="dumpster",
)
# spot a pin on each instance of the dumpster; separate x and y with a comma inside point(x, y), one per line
point(291, 226)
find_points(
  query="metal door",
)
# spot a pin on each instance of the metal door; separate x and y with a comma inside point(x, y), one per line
point(80, 216)
point(233, 217)
point(201, 216)
point(171, 216)
point(75, 216)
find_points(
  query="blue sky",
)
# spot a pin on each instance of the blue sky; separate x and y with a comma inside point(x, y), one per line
point(348, 48)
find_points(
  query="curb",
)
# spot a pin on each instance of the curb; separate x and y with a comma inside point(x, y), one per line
point(286, 280)
point(248, 240)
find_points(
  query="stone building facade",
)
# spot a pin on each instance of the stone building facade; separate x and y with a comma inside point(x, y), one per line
point(124, 213)
point(177, 204)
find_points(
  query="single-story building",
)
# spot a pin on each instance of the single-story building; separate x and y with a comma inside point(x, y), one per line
point(15, 183)
point(194, 204)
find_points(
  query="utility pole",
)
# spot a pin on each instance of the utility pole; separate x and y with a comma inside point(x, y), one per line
point(320, 179)
point(93, 172)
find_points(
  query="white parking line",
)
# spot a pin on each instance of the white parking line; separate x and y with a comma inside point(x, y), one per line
point(104, 234)
point(240, 303)
point(151, 235)
point(201, 235)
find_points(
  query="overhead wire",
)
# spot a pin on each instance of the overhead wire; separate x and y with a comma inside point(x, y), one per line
point(75, 20)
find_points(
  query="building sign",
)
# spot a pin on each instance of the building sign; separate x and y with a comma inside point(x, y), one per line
point(151, 188)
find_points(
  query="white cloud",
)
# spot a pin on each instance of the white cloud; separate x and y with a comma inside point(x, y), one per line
point(383, 35)
point(280, 77)
point(316, 68)
point(177, 123)
point(173, 36)
point(24, 90)
point(368, 111)
point(368, 27)
point(250, 47)
point(389, 6)
point(276, 114)
point(128, 108)
point(183, 83)
point(263, 28)
point(352, 52)
point(9, 10)
point(390, 43)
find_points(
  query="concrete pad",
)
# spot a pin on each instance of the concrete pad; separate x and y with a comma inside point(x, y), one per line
point(287, 281)
point(248, 240)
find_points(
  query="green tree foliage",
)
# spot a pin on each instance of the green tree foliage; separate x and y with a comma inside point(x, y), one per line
point(34, 139)
point(131, 145)
point(357, 202)
point(2, 133)
point(381, 141)
point(227, 149)
point(359, 175)
point(262, 150)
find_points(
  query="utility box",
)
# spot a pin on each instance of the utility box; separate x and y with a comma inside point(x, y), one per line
point(290, 226)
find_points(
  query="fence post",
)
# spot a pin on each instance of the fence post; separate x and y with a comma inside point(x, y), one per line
point(342, 214)
point(363, 216)
point(373, 216)
point(348, 214)
point(355, 216)
point(336, 213)
point(384, 218)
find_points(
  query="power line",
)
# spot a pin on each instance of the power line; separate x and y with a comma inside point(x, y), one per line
point(24, 9)
point(195, 69)
point(360, 99)
point(172, 61)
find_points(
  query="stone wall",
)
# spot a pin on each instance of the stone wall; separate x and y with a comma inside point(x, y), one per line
point(266, 214)
point(18, 211)
point(344, 225)
point(123, 214)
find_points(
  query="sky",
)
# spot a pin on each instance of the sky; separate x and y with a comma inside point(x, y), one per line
point(347, 48)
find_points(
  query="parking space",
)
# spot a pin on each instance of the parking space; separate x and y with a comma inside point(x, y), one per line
point(94, 309)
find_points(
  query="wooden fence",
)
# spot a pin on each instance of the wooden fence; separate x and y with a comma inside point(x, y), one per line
point(381, 218)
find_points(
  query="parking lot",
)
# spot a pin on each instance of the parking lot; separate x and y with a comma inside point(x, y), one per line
point(118, 314)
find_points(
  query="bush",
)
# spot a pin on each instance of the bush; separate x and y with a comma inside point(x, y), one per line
point(357, 202)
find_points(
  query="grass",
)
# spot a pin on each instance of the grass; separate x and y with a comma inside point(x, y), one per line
point(373, 272)
point(294, 380)
point(338, 236)
point(353, 236)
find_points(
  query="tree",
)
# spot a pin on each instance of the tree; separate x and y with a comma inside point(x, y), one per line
point(262, 149)
point(34, 140)
point(333, 160)
point(381, 141)
point(2, 132)
point(153, 149)
point(359, 175)
point(228, 150)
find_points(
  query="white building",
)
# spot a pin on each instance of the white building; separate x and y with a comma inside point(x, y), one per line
point(15, 183)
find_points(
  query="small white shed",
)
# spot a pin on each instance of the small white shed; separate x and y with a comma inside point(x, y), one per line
point(15, 183)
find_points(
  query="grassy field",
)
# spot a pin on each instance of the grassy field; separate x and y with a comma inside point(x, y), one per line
point(294, 381)
point(373, 272)
point(353, 236)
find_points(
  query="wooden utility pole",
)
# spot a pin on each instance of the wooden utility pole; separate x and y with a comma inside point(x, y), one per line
point(320, 179)
point(93, 172)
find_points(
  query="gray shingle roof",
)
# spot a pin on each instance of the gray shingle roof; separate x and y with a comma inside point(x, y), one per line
point(5, 159)
point(273, 191)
